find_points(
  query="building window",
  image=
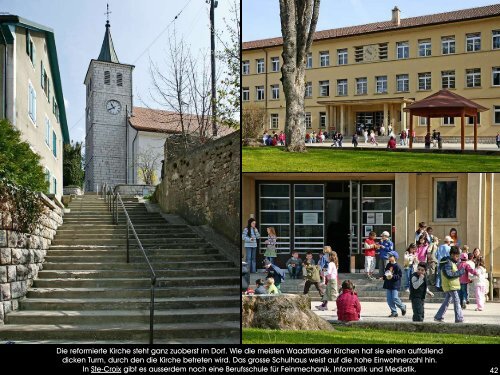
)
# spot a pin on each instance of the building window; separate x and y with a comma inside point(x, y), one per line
point(119, 79)
point(245, 67)
point(275, 64)
point(274, 121)
point(274, 211)
point(260, 66)
point(47, 179)
point(448, 121)
point(470, 119)
point(342, 56)
point(473, 42)
point(308, 120)
point(309, 89)
point(47, 131)
point(381, 86)
point(309, 61)
point(448, 79)
point(497, 114)
point(324, 88)
point(44, 81)
point(55, 109)
point(322, 120)
point(496, 76)
point(32, 103)
point(245, 94)
point(260, 92)
point(275, 91)
point(445, 199)
point(54, 143)
point(55, 185)
point(448, 45)
point(402, 83)
point(309, 225)
point(342, 87)
point(496, 39)
point(424, 48)
point(361, 86)
point(473, 77)
point(424, 81)
point(324, 58)
point(30, 48)
point(403, 50)
point(107, 77)
point(422, 121)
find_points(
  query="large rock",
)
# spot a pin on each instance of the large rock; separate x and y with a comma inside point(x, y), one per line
point(282, 311)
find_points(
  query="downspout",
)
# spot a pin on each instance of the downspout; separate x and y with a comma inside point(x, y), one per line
point(4, 86)
point(126, 144)
point(133, 157)
point(266, 89)
point(492, 186)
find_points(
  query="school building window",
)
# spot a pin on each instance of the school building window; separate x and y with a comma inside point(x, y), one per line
point(32, 103)
point(473, 77)
point(496, 76)
point(470, 119)
point(497, 114)
point(381, 87)
point(361, 86)
point(342, 56)
point(324, 88)
point(309, 217)
point(245, 67)
point(445, 199)
point(309, 90)
point(402, 83)
point(448, 79)
point(424, 81)
point(448, 121)
point(54, 143)
point(275, 91)
point(245, 94)
point(274, 121)
point(275, 64)
point(342, 87)
point(403, 50)
point(274, 211)
point(496, 39)
point(322, 120)
point(448, 45)
point(30, 47)
point(473, 42)
point(260, 66)
point(324, 58)
point(308, 120)
point(260, 92)
point(424, 48)
point(309, 61)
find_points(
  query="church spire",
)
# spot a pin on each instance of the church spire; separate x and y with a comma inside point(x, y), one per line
point(108, 50)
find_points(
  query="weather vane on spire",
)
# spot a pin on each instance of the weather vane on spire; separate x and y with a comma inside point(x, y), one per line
point(107, 13)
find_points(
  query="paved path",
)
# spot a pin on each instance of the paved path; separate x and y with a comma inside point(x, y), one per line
point(383, 144)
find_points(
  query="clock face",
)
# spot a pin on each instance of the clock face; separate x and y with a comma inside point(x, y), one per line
point(369, 53)
point(114, 107)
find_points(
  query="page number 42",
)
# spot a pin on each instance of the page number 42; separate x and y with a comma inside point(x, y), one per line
point(494, 370)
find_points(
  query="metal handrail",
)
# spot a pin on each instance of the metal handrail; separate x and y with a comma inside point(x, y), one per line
point(112, 199)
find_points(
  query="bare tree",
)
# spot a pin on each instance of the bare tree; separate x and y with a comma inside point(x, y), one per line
point(253, 119)
point(298, 24)
point(147, 163)
point(199, 93)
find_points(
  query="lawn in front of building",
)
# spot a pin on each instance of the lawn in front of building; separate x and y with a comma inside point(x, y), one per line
point(349, 335)
point(275, 159)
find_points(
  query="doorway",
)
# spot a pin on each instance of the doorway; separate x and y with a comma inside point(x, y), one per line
point(337, 222)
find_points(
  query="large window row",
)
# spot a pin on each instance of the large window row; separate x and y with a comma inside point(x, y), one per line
point(448, 45)
point(448, 81)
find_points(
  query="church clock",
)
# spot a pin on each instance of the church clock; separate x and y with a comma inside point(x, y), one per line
point(113, 106)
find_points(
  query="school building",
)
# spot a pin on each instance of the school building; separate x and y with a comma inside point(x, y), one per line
point(311, 210)
point(366, 75)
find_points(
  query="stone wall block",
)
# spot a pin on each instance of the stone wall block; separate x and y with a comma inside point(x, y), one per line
point(18, 289)
point(5, 256)
point(3, 274)
point(11, 273)
point(5, 291)
point(2, 313)
point(23, 272)
point(7, 307)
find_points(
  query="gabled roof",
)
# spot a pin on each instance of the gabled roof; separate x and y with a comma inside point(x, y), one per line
point(433, 19)
point(11, 19)
point(108, 49)
point(445, 99)
point(159, 121)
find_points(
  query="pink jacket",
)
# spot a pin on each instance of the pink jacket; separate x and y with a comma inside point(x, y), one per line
point(348, 306)
point(464, 279)
point(422, 253)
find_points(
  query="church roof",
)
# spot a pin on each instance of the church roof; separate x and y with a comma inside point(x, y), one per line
point(108, 50)
point(159, 121)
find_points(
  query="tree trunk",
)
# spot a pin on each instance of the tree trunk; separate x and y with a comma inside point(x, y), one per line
point(298, 23)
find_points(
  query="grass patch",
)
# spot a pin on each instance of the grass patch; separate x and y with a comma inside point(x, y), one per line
point(274, 159)
point(348, 335)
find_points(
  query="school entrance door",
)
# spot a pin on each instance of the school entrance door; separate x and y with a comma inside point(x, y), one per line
point(369, 120)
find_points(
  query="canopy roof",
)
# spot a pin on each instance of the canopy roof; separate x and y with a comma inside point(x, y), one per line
point(444, 103)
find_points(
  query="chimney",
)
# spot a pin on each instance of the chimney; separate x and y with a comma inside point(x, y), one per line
point(396, 16)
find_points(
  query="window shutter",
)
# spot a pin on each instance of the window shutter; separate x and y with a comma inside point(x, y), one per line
point(48, 89)
point(28, 42)
point(54, 143)
point(42, 75)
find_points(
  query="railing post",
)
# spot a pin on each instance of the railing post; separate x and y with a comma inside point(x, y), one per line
point(128, 245)
point(152, 312)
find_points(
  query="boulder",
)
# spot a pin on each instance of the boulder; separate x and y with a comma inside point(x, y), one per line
point(281, 311)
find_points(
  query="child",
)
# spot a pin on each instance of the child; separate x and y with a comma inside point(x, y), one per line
point(370, 247)
point(409, 265)
point(270, 253)
point(422, 246)
point(355, 140)
point(312, 277)
point(450, 282)
point(464, 279)
point(386, 246)
point(309, 258)
point(392, 283)
point(348, 306)
point(323, 262)
point(331, 277)
point(250, 236)
point(271, 288)
point(418, 290)
point(472, 265)
point(294, 265)
point(480, 282)
point(431, 258)
point(260, 289)
point(275, 272)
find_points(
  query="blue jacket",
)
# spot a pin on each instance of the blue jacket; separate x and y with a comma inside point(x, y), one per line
point(442, 252)
point(254, 234)
point(397, 274)
point(276, 273)
point(387, 246)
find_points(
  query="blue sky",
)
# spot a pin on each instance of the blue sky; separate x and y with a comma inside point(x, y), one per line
point(261, 18)
point(79, 30)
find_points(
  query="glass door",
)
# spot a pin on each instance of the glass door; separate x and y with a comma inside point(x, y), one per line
point(377, 211)
point(354, 222)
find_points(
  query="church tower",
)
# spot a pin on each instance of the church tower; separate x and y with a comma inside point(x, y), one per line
point(109, 100)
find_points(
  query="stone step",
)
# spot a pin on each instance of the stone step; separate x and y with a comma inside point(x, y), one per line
point(129, 304)
point(135, 332)
point(139, 258)
point(139, 271)
point(122, 316)
point(121, 226)
point(86, 256)
point(119, 273)
point(112, 280)
point(164, 292)
point(123, 235)
point(186, 241)
point(156, 265)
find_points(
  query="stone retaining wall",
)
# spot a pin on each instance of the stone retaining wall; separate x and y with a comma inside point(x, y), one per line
point(22, 255)
point(202, 183)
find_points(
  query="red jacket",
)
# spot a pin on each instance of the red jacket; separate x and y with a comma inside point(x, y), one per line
point(371, 251)
point(348, 306)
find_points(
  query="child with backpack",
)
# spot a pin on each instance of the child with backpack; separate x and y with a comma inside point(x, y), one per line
point(312, 277)
point(418, 291)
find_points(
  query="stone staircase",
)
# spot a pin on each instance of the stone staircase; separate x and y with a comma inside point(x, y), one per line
point(368, 290)
point(87, 293)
